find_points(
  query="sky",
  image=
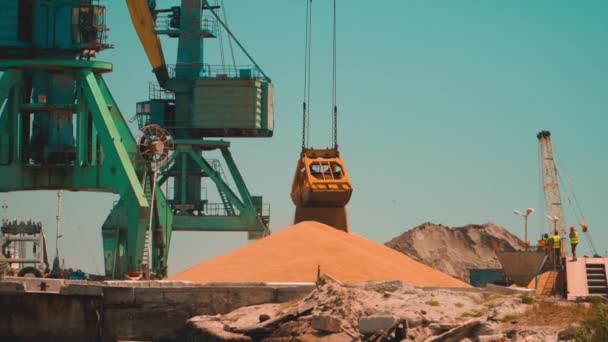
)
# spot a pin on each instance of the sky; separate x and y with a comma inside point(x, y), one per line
point(439, 106)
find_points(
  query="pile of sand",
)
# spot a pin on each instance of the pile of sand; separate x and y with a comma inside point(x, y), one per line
point(293, 254)
point(457, 250)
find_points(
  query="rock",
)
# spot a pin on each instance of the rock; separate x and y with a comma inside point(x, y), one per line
point(384, 286)
point(458, 333)
point(569, 332)
point(485, 328)
point(263, 318)
point(436, 328)
point(511, 333)
point(326, 323)
point(413, 319)
point(491, 338)
point(448, 326)
point(371, 324)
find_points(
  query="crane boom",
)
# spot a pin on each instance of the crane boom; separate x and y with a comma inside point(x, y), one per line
point(143, 22)
point(553, 199)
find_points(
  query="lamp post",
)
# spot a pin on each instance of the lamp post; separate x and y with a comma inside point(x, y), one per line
point(553, 219)
point(525, 215)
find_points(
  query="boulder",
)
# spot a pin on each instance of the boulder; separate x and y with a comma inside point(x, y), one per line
point(326, 323)
point(372, 324)
point(486, 328)
point(569, 332)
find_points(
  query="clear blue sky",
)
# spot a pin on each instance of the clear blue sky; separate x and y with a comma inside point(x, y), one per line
point(440, 103)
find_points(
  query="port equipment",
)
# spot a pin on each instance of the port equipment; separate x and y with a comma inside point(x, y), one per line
point(16, 239)
point(321, 186)
point(199, 104)
point(60, 127)
point(154, 145)
point(551, 180)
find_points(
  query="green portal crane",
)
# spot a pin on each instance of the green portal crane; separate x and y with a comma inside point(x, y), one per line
point(60, 127)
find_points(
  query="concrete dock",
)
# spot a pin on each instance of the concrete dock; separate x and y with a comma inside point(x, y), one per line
point(64, 310)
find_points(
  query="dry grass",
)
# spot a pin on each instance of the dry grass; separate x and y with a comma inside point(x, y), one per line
point(432, 303)
point(527, 299)
point(550, 313)
point(508, 318)
point(473, 313)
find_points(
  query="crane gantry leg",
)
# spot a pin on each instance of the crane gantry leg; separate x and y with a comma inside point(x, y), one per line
point(102, 158)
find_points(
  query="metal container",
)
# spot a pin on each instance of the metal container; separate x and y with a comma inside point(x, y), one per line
point(236, 107)
point(481, 277)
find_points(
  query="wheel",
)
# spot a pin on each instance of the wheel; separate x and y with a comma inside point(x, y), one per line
point(29, 272)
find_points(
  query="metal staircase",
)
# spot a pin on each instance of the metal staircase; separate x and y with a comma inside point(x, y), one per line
point(596, 280)
point(226, 202)
point(228, 207)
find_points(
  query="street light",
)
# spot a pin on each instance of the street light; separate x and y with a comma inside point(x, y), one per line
point(525, 215)
point(553, 219)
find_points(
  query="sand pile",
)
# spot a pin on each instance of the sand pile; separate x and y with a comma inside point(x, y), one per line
point(456, 250)
point(292, 255)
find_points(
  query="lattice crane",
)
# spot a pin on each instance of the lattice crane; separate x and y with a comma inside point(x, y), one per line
point(554, 208)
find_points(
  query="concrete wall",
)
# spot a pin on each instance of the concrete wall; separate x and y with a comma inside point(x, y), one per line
point(576, 276)
point(77, 311)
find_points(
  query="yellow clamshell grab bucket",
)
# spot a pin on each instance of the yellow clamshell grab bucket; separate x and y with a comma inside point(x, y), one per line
point(321, 185)
point(321, 188)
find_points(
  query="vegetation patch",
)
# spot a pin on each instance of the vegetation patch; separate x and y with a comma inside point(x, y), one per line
point(432, 303)
point(545, 313)
point(508, 318)
point(473, 313)
point(527, 299)
point(595, 327)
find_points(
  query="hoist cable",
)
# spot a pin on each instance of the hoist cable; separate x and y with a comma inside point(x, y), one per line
point(333, 86)
point(221, 42)
point(307, 58)
point(230, 46)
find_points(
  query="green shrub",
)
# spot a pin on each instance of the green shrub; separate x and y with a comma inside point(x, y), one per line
point(595, 328)
point(527, 299)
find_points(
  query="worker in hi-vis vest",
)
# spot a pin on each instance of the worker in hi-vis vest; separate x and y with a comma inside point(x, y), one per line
point(573, 241)
point(557, 244)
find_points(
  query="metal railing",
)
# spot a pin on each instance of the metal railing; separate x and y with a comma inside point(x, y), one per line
point(166, 21)
point(265, 210)
point(217, 209)
point(220, 71)
point(156, 92)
